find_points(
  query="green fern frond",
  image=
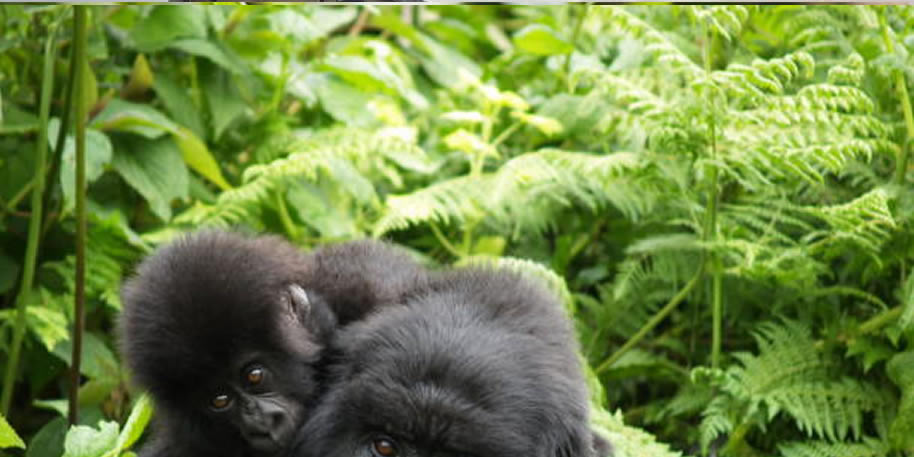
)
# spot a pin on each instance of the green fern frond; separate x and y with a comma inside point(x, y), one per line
point(656, 43)
point(830, 410)
point(726, 20)
point(763, 77)
point(870, 447)
point(346, 155)
point(525, 191)
point(453, 200)
point(715, 422)
point(787, 355)
point(866, 220)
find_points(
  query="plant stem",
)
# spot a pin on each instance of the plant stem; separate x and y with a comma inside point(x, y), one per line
point(31, 248)
point(711, 225)
point(656, 319)
point(79, 314)
point(574, 39)
point(285, 218)
point(901, 163)
point(444, 241)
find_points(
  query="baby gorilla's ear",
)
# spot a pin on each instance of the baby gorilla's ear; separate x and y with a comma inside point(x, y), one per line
point(298, 305)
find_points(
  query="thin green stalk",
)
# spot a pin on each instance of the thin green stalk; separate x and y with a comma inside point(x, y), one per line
point(444, 241)
point(574, 39)
point(285, 218)
point(711, 226)
point(656, 319)
point(79, 39)
point(31, 248)
point(57, 152)
point(901, 164)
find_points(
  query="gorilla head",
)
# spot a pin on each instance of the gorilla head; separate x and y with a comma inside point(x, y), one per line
point(225, 331)
point(476, 363)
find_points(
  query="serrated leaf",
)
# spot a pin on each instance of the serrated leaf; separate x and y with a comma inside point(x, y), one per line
point(98, 155)
point(541, 40)
point(8, 436)
point(180, 106)
point(223, 98)
point(214, 51)
point(156, 170)
point(357, 71)
point(85, 441)
point(444, 64)
point(135, 118)
point(199, 158)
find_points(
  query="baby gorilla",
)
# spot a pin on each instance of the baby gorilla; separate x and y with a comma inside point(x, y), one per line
point(225, 332)
point(477, 363)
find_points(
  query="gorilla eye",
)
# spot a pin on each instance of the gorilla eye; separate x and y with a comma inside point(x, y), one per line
point(254, 376)
point(384, 447)
point(220, 402)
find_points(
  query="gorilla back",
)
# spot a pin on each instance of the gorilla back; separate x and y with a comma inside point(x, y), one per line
point(225, 331)
point(477, 363)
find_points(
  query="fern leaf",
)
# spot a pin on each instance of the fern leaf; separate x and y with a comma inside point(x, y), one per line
point(870, 447)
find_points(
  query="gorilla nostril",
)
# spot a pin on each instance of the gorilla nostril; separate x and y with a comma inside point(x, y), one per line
point(278, 420)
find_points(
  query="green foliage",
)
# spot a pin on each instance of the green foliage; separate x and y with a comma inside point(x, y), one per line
point(611, 153)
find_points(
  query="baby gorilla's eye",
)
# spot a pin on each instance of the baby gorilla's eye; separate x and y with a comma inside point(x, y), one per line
point(254, 376)
point(220, 402)
point(384, 447)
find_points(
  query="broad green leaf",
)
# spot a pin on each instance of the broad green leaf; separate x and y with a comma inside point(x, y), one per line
point(97, 360)
point(48, 442)
point(357, 71)
point(136, 423)
point(8, 436)
point(133, 118)
point(199, 158)
point(16, 121)
point(85, 441)
point(345, 103)
point(223, 98)
point(541, 40)
point(444, 64)
point(155, 169)
point(167, 23)
point(329, 18)
point(180, 106)
point(213, 51)
point(389, 21)
point(98, 155)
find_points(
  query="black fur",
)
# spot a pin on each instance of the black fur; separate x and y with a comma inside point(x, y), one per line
point(476, 363)
point(201, 310)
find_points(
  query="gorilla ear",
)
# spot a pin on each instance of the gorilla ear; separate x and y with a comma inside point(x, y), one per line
point(299, 304)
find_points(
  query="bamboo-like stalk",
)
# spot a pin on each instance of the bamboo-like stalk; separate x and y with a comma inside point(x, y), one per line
point(31, 248)
point(80, 113)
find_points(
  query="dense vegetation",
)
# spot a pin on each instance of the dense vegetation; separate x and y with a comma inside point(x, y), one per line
point(721, 194)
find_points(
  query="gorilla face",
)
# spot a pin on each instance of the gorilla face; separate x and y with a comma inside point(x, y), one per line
point(478, 364)
point(225, 331)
